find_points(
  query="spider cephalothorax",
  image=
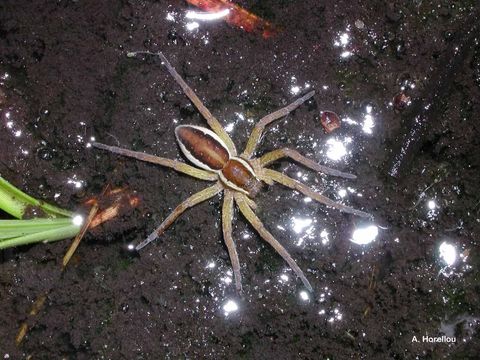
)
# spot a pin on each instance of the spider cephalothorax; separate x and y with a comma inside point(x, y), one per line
point(240, 177)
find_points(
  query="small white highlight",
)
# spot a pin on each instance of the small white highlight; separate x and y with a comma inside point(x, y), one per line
point(365, 235)
point(431, 205)
point(448, 253)
point(131, 247)
point(227, 280)
point(368, 124)
point(77, 220)
point(76, 183)
point(324, 236)
point(299, 225)
point(207, 16)
point(240, 116)
point(344, 39)
point(336, 149)
point(192, 26)
point(295, 90)
point(304, 295)
point(229, 307)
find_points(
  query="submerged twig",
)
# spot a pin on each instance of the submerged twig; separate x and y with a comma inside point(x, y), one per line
point(425, 110)
point(80, 235)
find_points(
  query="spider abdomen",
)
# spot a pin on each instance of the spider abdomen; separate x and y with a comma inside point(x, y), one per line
point(202, 147)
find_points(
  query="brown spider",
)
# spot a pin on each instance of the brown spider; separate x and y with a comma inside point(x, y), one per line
point(239, 177)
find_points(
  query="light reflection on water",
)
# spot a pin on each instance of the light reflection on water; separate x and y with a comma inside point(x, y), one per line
point(299, 225)
point(448, 253)
point(193, 19)
point(336, 149)
point(229, 307)
point(304, 296)
point(207, 16)
point(364, 235)
point(432, 210)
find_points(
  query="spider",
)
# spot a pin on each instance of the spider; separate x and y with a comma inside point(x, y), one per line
point(239, 177)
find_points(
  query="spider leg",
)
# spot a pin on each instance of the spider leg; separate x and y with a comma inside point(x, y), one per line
point(260, 228)
point(296, 156)
point(260, 126)
point(269, 174)
point(227, 216)
point(211, 120)
point(176, 165)
point(193, 200)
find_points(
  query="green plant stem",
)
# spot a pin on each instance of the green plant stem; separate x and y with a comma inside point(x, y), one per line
point(58, 233)
point(15, 228)
point(15, 202)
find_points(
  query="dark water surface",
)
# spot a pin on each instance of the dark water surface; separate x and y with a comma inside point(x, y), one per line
point(65, 80)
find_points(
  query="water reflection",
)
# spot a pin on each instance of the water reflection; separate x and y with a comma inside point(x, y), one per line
point(299, 225)
point(343, 41)
point(294, 90)
point(207, 16)
point(192, 26)
point(364, 235)
point(229, 127)
point(303, 226)
point(324, 236)
point(193, 18)
point(324, 294)
point(230, 307)
point(78, 184)
point(228, 278)
point(448, 253)
point(337, 149)
point(304, 295)
point(77, 220)
point(368, 120)
point(171, 16)
point(433, 209)
point(89, 144)
point(336, 316)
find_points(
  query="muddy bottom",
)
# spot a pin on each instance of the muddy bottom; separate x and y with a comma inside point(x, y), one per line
point(380, 285)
